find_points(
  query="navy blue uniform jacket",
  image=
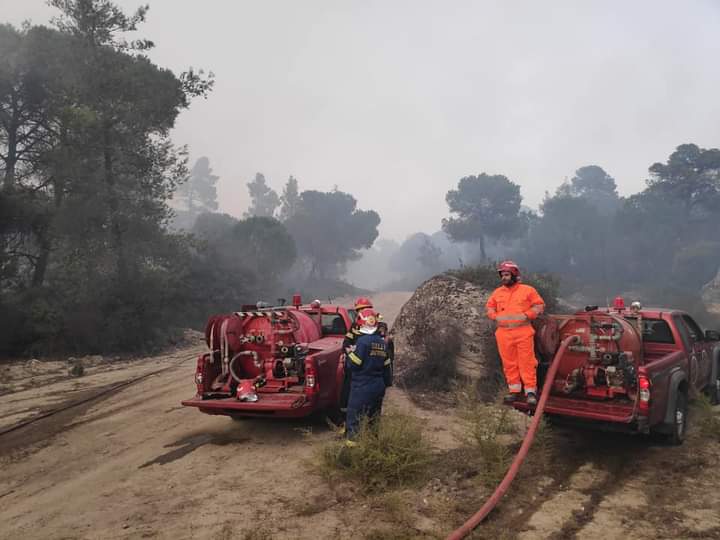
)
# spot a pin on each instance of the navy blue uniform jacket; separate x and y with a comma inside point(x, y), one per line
point(370, 364)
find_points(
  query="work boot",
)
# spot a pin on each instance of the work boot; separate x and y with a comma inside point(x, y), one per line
point(511, 397)
point(531, 399)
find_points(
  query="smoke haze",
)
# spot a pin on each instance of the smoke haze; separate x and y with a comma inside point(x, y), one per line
point(395, 101)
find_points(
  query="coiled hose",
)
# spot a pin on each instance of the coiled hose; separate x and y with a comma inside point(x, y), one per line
point(475, 519)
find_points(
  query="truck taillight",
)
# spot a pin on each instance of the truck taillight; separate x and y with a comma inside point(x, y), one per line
point(199, 370)
point(644, 394)
point(310, 379)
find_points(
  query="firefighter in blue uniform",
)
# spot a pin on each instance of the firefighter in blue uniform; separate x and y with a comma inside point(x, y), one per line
point(370, 368)
point(349, 345)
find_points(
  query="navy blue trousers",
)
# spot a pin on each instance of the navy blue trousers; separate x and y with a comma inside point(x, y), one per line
point(364, 400)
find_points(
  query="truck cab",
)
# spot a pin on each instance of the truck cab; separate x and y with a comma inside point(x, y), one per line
point(630, 369)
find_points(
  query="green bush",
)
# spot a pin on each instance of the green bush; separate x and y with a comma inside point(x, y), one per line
point(391, 453)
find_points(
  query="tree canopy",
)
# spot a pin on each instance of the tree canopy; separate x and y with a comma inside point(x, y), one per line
point(263, 199)
point(250, 254)
point(197, 193)
point(487, 206)
point(691, 177)
point(329, 230)
point(290, 199)
point(594, 185)
point(87, 168)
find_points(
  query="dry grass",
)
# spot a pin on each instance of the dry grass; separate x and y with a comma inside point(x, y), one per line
point(706, 418)
point(488, 431)
point(258, 533)
point(391, 454)
point(397, 506)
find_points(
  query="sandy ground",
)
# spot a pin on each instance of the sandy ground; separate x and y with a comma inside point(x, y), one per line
point(136, 464)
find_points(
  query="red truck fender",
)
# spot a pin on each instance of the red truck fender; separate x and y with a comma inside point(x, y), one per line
point(675, 424)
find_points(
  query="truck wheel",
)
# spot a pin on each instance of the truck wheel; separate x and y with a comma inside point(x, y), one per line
point(679, 427)
point(714, 388)
point(335, 415)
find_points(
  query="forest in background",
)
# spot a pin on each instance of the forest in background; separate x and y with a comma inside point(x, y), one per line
point(111, 241)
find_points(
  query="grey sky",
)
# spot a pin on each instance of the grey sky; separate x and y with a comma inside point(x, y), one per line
point(394, 101)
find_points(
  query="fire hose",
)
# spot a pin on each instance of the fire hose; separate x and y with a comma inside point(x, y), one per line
point(481, 514)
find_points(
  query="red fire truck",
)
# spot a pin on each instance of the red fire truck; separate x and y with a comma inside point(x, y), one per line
point(277, 361)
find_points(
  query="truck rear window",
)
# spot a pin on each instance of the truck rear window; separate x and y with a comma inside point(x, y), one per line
point(656, 331)
point(333, 324)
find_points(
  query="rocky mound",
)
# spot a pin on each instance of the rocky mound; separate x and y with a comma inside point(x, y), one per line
point(451, 310)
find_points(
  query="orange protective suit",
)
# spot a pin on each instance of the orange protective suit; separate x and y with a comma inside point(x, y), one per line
point(512, 308)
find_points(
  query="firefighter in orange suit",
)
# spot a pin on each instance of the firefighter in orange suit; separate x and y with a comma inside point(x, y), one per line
point(512, 306)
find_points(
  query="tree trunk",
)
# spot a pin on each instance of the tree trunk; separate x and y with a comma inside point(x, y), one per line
point(314, 273)
point(12, 134)
point(42, 261)
point(482, 248)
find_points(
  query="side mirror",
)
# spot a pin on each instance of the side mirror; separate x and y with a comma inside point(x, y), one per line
point(712, 335)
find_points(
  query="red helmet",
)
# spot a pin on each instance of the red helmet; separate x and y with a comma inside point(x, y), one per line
point(367, 320)
point(509, 266)
point(363, 303)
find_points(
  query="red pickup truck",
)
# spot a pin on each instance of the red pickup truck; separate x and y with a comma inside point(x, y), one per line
point(631, 369)
point(279, 361)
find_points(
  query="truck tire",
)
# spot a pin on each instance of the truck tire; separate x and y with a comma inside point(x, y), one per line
point(679, 427)
point(336, 415)
point(713, 390)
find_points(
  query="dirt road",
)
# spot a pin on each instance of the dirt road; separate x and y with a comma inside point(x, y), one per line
point(135, 464)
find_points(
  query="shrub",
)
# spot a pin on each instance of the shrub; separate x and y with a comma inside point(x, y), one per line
point(391, 453)
point(708, 421)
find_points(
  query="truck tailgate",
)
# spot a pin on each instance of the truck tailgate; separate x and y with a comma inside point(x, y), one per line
point(605, 411)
